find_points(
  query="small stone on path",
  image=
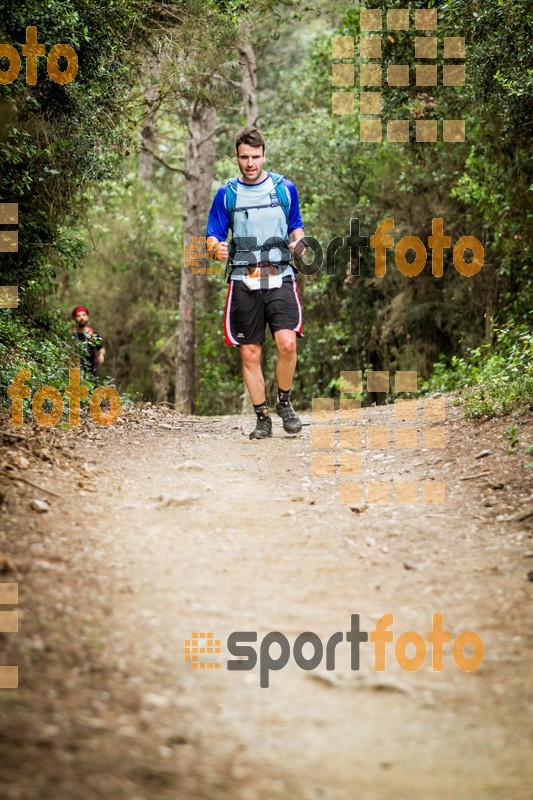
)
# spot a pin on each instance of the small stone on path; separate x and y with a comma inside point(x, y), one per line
point(41, 506)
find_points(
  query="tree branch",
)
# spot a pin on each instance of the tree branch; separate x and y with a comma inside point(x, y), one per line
point(166, 164)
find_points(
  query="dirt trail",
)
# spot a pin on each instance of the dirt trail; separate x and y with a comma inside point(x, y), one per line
point(116, 576)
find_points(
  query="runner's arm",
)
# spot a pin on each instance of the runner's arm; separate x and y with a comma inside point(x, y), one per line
point(217, 250)
point(294, 247)
point(295, 223)
point(218, 227)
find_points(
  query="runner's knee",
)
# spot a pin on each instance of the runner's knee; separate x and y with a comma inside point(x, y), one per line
point(251, 355)
point(286, 346)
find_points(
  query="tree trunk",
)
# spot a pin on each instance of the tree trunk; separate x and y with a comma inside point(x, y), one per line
point(199, 168)
point(249, 75)
point(149, 125)
point(251, 109)
point(207, 155)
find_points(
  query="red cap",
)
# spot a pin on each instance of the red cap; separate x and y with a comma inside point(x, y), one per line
point(80, 308)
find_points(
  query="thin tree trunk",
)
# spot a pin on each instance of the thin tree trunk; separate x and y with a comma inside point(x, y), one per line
point(149, 125)
point(199, 167)
point(207, 156)
point(251, 109)
point(249, 75)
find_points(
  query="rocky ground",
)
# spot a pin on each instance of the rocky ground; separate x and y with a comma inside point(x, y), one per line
point(126, 540)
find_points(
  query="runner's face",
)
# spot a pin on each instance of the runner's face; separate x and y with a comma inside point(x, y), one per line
point(81, 319)
point(250, 161)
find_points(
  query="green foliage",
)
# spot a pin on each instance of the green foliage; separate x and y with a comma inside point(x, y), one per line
point(219, 379)
point(54, 140)
point(64, 158)
point(497, 180)
point(131, 279)
point(47, 352)
point(352, 322)
point(512, 437)
point(497, 379)
point(394, 322)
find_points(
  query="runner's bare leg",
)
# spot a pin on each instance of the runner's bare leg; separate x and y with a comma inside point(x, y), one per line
point(287, 357)
point(252, 372)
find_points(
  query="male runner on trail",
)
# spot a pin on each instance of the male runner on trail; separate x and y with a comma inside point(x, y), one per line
point(262, 211)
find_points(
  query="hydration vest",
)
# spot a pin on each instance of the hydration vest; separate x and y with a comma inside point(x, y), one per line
point(279, 197)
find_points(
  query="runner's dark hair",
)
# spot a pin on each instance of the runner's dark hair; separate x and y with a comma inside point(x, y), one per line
point(250, 136)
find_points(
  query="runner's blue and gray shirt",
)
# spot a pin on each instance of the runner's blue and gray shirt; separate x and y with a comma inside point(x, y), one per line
point(254, 226)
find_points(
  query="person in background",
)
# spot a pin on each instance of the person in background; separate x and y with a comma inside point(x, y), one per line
point(94, 346)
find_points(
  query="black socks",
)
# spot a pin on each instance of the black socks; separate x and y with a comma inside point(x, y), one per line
point(283, 398)
point(261, 410)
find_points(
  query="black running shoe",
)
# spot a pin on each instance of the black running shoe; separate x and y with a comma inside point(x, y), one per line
point(291, 423)
point(263, 428)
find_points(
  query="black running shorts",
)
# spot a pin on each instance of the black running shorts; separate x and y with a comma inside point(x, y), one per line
point(248, 312)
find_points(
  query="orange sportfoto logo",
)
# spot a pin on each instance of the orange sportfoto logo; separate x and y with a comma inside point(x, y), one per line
point(32, 50)
point(19, 390)
point(202, 650)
